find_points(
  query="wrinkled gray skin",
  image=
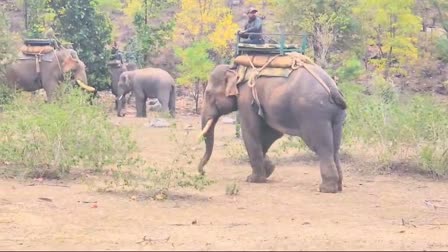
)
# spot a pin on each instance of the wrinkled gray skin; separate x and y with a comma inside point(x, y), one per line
point(297, 106)
point(144, 84)
point(115, 71)
point(23, 75)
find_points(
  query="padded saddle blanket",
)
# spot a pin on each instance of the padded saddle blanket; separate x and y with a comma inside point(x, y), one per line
point(45, 53)
point(245, 73)
point(291, 60)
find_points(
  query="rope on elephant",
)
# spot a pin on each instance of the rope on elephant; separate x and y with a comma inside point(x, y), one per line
point(254, 75)
point(300, 60)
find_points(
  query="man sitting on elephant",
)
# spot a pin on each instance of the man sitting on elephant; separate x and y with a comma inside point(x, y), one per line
point(252, 33)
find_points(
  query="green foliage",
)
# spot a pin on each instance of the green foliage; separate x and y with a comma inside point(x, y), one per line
point(328, 22)
point(196, 64)
point(396, 128)
point(392, 26)
point(442, 49)
point(7, 46)
point(49, 139)
point(351, 69)
point(109, 5)
point(6, 96)
point(80, 23)
point(148, 38)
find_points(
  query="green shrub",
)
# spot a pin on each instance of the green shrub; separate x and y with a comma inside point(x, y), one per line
point(351, 69)
point(442, 49)
point(49, 139)
point(412, 128)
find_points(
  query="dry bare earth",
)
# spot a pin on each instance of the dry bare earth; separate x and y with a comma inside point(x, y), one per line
point(373, 212)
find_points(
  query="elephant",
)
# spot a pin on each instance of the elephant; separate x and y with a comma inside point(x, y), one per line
point(23, 73)
point(297, 105)
point(115, 70)
point(147, 83)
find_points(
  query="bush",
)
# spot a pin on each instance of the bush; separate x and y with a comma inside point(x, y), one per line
point(411, 129)
point(351, 69)
point(90, 31)
point(442, 49)
point(7, 45)
point(42, 139)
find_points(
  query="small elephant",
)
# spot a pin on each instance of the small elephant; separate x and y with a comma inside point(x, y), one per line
point(115, 70)
point(23, 74)
point(298, 105)
point(147, 83)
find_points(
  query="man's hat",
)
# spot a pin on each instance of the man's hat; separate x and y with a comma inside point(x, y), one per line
point(252, 10)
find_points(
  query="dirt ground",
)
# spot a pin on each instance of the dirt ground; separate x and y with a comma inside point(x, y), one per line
point(288, 213)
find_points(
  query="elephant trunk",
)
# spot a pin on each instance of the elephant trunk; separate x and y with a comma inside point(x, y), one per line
point(208, 132)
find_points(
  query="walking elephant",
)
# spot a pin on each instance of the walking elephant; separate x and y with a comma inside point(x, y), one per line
point(115, 70)
point(298, 105)
point(25, 74)
point(147, 83)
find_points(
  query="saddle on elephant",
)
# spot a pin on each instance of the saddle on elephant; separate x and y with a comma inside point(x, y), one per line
point(37, 47)
point(252, 67)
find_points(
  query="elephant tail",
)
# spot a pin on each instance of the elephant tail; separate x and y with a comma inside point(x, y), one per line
point(338, 98)
point(172, 101)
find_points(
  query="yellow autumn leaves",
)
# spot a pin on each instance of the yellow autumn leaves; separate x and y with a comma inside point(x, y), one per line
point(206, 19)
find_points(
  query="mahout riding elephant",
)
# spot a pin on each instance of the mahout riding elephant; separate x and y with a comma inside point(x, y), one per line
point(298, 105)
point(25, 74)
point(147, 83)
point(115, 70)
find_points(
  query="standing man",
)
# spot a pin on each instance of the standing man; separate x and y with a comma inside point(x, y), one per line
point(254, 25)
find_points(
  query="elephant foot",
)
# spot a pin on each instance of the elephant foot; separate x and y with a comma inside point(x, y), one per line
point(269, 167)
point(141, 116)
point(256, 179)
point(329, 187)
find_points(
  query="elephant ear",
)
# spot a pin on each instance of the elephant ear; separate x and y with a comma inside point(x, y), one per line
point(231, 81)
point(69, 64)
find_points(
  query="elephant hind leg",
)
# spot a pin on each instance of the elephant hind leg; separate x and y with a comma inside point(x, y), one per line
point(319, 137)
point(337, 137)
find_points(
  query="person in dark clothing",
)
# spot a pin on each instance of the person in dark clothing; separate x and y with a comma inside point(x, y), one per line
point(115, 53)
point(254, 25)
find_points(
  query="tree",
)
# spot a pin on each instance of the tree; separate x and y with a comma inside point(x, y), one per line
point(206, 19)
point(195, 68)
point(7, 45)
point(328, 22)
point(89, 31)
point(392, 27)
point(149, 37)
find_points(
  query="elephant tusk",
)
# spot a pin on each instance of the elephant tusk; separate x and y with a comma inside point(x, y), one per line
point(86, 87)
point(206, 128)
point(121, 97)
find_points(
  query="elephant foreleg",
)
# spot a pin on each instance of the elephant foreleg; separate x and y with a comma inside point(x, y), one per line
point(251, 126)
point(269, 137)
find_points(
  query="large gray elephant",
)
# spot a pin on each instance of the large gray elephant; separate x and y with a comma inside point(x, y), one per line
point(147, 83)
point(23, 74)
point(115, 70)
point(298, 105)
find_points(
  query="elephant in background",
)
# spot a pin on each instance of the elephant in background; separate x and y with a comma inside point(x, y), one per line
point(115, 70)
point(147, 83)
point(297, 106)
point(23, 73)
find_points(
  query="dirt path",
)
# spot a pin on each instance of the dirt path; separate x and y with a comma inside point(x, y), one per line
point(373, 213)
